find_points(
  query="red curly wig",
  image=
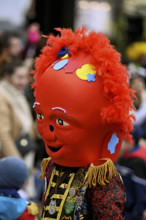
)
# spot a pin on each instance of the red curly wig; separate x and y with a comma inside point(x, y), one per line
point(108, 67)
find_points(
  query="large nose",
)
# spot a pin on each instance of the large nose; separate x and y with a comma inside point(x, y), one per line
point(49, 132)
point(51, 127)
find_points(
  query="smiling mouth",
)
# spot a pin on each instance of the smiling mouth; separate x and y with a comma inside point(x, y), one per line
point(54, 149)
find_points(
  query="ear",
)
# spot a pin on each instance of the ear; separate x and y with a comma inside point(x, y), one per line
point(112, 145)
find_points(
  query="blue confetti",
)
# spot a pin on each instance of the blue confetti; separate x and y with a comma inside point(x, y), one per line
point(91, 77)
point(62, 52)
point(60, 64)
point(113, 143)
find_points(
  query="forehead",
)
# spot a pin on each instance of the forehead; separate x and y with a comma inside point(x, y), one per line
point(57, 88)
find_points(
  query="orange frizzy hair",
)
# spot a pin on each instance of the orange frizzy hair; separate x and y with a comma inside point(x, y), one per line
point(108, 67)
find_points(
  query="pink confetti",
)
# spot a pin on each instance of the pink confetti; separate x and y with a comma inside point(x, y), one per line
point(72, 65)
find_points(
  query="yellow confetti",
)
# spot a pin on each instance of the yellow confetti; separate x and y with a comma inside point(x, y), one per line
point(65, 56)
point(85, 70)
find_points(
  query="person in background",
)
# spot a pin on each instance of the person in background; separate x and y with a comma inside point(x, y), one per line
point(132, 167)
point(17, 129)
point(40, 152)
point(137, 83)
point(15, 115)
point(136, 53)
point(13, 175)
point(10, 45)
point(33, 38)
point(29, 93)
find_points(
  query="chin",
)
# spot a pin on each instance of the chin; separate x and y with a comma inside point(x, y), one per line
point(61, 157)
point(54, 152)
point(69, 162)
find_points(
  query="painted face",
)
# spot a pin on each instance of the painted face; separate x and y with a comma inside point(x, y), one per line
point(68, 116)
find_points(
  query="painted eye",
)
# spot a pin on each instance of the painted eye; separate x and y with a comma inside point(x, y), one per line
point(40, 116)
point(61, 122)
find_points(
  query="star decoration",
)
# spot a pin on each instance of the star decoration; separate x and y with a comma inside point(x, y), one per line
point(91, 77)
point(113, 143)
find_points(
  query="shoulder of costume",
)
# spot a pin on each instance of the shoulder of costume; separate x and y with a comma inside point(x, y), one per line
point(96, 175)
point(102, 174)
point(44, 164)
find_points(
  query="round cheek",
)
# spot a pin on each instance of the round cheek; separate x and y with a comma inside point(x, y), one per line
point(75, 138)
point(67, 135)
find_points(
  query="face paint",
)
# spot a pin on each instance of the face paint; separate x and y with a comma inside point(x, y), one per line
point(74, 137)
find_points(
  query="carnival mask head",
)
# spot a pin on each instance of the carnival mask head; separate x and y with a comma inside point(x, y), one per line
point(82, 98)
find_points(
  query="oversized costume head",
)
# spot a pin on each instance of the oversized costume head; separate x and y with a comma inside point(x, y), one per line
point(82, 98)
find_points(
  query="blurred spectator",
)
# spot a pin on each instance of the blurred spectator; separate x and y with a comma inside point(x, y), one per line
point(132, 161)
point(33, 37)
point(29, 93)
point(10, 45)
point(14, 173)
point(137, 83)
point(15, 116)
point(136, 52)
point(132, 167)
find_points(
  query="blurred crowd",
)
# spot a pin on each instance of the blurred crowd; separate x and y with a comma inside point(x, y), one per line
point(132, 160)
point(18, 133)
